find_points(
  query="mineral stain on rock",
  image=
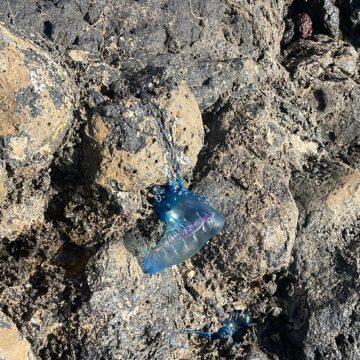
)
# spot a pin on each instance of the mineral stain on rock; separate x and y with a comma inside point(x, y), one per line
point(303, 25)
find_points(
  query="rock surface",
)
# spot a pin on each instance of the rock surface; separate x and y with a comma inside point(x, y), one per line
point(262, 111)
point(36, 104)
point(36, 110)
point(130, 138)
point(138, 306)
point(13, 346)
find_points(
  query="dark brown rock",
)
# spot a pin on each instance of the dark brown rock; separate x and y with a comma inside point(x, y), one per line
point(303, 25)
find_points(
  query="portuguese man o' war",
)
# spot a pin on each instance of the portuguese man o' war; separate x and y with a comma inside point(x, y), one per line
point(190, 223)
point(231, 327)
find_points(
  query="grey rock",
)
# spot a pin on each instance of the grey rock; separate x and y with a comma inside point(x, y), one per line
point(331, 18)
point(328, 15)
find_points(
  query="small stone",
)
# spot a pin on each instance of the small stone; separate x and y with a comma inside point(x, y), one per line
point(2, 184)
point(239, 306)
point(272, 288)
point(331, 18)
point(289, 31)
point(72, 257)
point(254, 353)
point(79, 55)
point(303, 25)
point(276, 311)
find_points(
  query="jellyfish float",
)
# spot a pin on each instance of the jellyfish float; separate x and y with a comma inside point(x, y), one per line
point(190, 223)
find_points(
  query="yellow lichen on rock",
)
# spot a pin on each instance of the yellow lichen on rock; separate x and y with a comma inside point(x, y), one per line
point(130, 170)
point(22, 216)
point(134, 171)
point(36, 109)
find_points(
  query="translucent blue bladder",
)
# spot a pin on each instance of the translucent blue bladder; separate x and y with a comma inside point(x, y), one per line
point(190, 223)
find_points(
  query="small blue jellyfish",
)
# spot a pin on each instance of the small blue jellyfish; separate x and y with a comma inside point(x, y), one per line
point(190, 223)
point(231, 327)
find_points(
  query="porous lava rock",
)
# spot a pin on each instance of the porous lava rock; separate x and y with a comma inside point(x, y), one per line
point(36, 103)
point(129, 140)
point(279, 156)
point(36, 110)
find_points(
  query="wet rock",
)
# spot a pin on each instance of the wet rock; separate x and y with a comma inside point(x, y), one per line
point(36, 104)
point(127, 165)
point(13, 346)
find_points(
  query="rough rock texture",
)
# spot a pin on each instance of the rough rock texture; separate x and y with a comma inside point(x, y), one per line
point(263, 120)
point(13, 346)
point(127, 138)
point(36, 104)
point(330, 224)
point(255, 143)
point(138, 306)
point(36, 110)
